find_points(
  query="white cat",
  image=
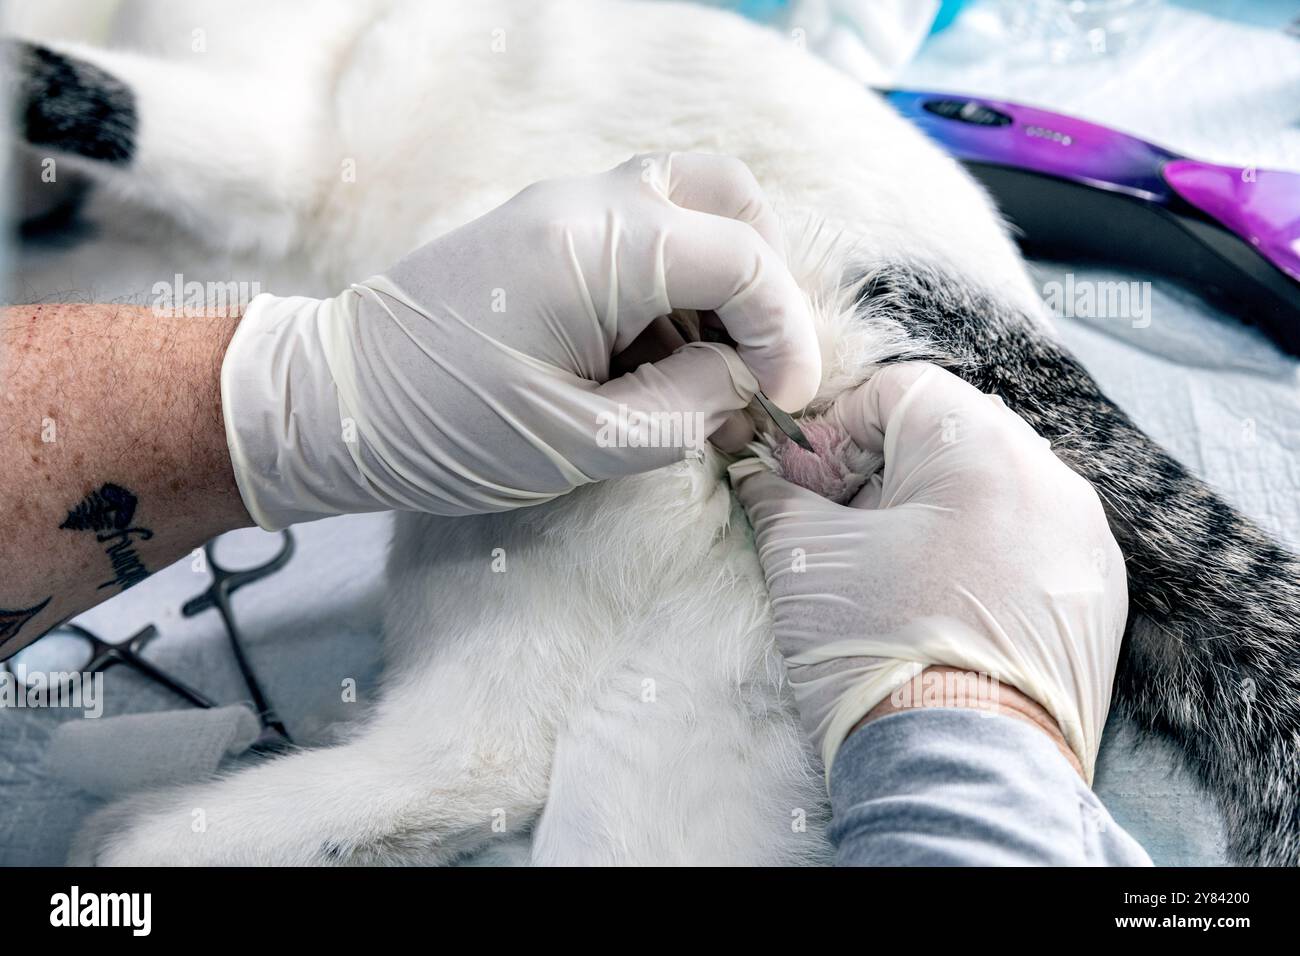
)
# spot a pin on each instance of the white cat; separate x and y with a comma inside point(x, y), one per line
point(592, 681)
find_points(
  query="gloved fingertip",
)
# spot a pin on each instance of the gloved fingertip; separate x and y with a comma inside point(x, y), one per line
point(733, 434)
point(865, 411)
point(738, 471)
point(742, 379)
point(868, 499)
point(763, 492)
point(792, 383)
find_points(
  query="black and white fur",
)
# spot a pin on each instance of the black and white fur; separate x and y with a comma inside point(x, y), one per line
point(614, 696)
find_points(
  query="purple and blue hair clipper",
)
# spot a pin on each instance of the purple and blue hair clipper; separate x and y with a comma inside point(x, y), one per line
point(1076, 190)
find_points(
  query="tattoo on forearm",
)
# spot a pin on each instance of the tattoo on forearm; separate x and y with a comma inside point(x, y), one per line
point(108, 513)
point(111, 508)
point(12, 621)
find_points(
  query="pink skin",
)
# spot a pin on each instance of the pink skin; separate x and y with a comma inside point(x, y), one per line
point(830, 469)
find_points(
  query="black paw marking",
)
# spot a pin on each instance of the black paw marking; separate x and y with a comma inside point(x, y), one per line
point(69, 104)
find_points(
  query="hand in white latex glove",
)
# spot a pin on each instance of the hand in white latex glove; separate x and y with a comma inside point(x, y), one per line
point(475, 375)
point(977, 548)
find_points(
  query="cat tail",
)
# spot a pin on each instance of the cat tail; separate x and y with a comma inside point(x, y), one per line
point(1211, 661)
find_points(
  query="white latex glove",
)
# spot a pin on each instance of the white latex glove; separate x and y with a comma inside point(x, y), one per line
point(475, 375)
point(977, 548)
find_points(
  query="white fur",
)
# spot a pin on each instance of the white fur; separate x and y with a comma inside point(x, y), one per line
point(613, 696)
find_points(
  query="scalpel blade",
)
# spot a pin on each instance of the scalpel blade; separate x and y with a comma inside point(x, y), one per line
point(784, 422)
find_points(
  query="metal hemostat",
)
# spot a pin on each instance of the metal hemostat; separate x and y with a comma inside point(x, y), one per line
point(95, 655)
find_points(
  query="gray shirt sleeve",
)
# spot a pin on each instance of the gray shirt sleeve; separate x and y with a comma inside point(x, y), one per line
point(957, 787)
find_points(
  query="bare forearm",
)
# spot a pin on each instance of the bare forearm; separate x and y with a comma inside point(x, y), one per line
point(114, 452)
point(952, 687)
